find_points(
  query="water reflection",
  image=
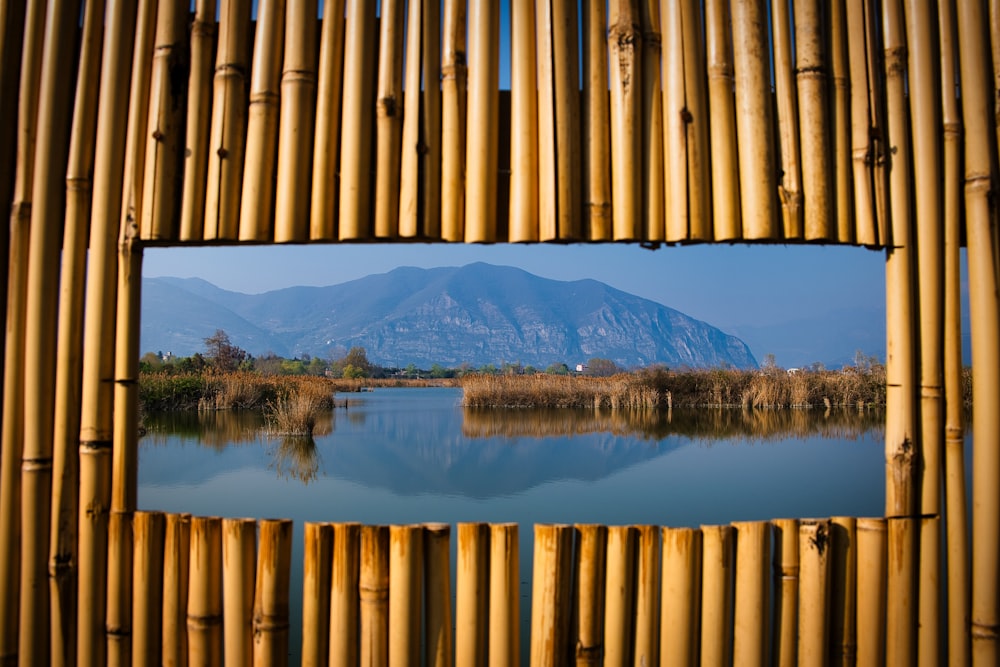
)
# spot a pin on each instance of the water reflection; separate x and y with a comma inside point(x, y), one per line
point(296, 458)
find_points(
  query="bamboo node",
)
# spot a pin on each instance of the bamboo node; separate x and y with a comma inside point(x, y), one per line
point(79, 184)
point(386, 107)
point(588, 654)
point(117, 633)
point(820, 540)
point(222, 153)
point(204, 29)
point(262, 624)
point(984, 631)
point(36, 465)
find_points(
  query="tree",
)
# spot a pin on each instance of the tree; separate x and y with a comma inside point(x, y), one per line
point(557, 369)
point(224, 355)
point(598, 367)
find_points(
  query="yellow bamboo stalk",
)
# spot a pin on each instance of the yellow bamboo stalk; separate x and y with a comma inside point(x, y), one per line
point(840, 118)
point(482, 123)
point(680, 597)
point(878, 130)
point(565, 43)
point(994, 28)
point(12, 36)
point(296, 132)
point(316, 594)
point(786, 585)
point(625, 56)
point(257, 198)
point(901, 603)
point(872, 550)
point(437, 595)
point(753, 121)
point(227, 140)
point(812, 75)
point(548, 199)
point(149, 532)
point(239, 559)
point(815, 546)
point(270, 606)
point(471, 590)
point(199, 114)
point(204, 600)
point(550, 595)
point(717, 590)
point(454, 76)
point(787, 108)
point(118, 623)
point(344, 607)
point(862, 149)
point(646, 646)
point(619, 595)
point(406, 568)
point(750, 628)
point(696, 128)
point(980, 172)
point(326, 151)
point(374, 590)
point(843, 591)
point(722, 129)
point(596, 121)
point(505, 583)
point(176, 555)
point(651, 124)
point(588, 593)
point(389, 116)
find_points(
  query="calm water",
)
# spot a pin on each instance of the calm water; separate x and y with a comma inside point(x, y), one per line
point(414, 455)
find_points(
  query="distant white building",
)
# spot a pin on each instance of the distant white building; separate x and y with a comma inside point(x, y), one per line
point(581, 368)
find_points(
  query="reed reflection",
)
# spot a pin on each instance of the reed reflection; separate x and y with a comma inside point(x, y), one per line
point(296, 457)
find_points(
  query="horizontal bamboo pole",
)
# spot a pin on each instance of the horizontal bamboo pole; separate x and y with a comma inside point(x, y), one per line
point(453, 107)
point(472, 591)
point(374, 591)
point(815, 547)
point(786, 585)
point(199, 115)
point(406, 572)
point(505, 585)
point(149, 533)
point(204, 599)
point(750, 630)
point(680, 596)
point(344, 605)
point(437, 642)
point(619, 595)
point(326, 148)
point(316, 572)
point(355, 138)
point(239, 559)
point(588, 593)
point(550, 595)
point(176, 557)
point(872, 554)
point(270, 606)
point(717, 594)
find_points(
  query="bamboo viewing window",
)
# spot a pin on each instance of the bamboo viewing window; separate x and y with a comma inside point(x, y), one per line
point(124, 125)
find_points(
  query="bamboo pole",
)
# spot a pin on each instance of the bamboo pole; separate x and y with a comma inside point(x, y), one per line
point(316, 594)
point(270, 606)
point(550, 595)
point(374, 590)
point(646, 646)
point(722, 129)
point(326, 150)
point(625, 56)
point(176, 555)
point(405, 568)
point(651, 124)
point(355, 138)
point(239, 559)
point(753, 121)
point(750, 629)
point(454, 74)
point(901, 603)
point(840, 118)
point(344, 607)
point(717, 592)
point(11, 42)
point(786, 588)
point(437, 595)
point(862, 149)
point(872, 553)
point(619, 595)
point(696, 128)
point(595, 113)
point(815, 546)
point(980, 174)
point(548, 195)
point(812, 75)
point(505, 594)
point(298, 123)
point(878, 130)
point(199, 114)
point(389, 116)
point(787, 108)
point(471, 589)
point(227, 139)
point(257, 198)
point(482, 123)
point(204, 599)
point(565, 59)
point(680, 598)
point(843, 591)
point(588, 593)
point(149, 531)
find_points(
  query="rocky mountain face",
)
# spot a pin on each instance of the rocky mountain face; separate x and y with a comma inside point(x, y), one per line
point(475, 314)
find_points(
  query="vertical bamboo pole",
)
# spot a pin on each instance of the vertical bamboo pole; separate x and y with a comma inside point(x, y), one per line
point(374, 590)
point(840, 118)
point(326, 150)
point(205, 605)
point(11, 42)
point(717, 592)
point(901, 612)
point(588, 593)
point(625, 56)
point(524, 125)
point(566, 58)
point(389, 116)
point(790, 187)
point(505, 594)
point(296, 132)
point(227, 141)
point(471, 589)
point(750, 630)
point(878, 130)
point(681, 595)
point(753, 120)
point(675, 116)
point(550, 595)
point(316, 594)
point(239, 560)
point(722, 129)
point(651, 124)
point(980, 175)
point(872, 551)
point(843, 591)
point(862, 150)
point(453, 106)
point(257, 199)
point(696, 123)
point(619, 595)
point(482, 124)
point(596, 121)
point(406, 570)
point(149, 531)
point(344, 607)
point(437, 595)
point(812, 75)
point(199, 115)
point(176, 555)
point(548, 195)
point(786, 588)
point(815, 546)
point(270, 606)
point(355, 139)
point(646, 647)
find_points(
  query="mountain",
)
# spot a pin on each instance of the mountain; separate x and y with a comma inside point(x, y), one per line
point(476, 314)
